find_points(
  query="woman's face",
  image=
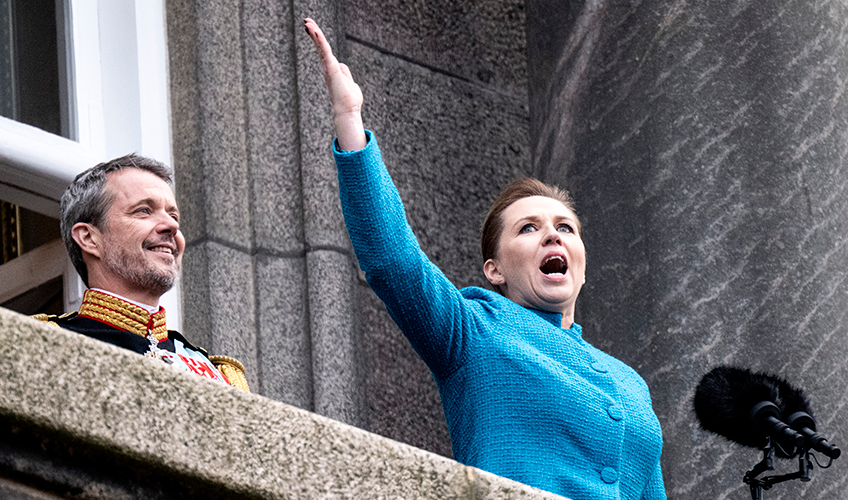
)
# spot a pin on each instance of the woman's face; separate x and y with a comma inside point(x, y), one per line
point(541, 261)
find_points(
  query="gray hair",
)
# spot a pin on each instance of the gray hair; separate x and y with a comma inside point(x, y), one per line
point(86, 200)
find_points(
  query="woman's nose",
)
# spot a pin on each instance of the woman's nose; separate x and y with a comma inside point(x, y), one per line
point(552, 236)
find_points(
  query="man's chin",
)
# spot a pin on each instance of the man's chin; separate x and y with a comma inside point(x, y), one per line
point(160, 279)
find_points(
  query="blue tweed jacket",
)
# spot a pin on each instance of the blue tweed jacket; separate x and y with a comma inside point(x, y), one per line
point(523, 397)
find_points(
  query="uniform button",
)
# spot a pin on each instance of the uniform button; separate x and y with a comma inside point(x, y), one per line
point(609, 475)
point(615, 412)
point(599, 367)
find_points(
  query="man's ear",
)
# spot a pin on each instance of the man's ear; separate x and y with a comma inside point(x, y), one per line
point(493, 274)
point(88, 238)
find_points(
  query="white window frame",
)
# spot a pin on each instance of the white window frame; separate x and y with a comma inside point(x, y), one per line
point(117, 49)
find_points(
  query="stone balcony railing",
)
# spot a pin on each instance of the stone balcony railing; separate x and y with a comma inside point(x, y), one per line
point(83, 419)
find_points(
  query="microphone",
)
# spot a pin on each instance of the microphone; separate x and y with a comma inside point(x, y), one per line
point(747, 407)
point(797, 406)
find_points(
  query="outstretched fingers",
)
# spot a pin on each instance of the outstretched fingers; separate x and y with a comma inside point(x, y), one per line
point(345, 94)
point(325, 52)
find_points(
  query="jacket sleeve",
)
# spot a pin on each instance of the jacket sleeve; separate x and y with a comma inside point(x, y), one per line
point(426, 306)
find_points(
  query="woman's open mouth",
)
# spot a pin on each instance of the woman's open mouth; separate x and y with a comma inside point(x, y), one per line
point(554, 265)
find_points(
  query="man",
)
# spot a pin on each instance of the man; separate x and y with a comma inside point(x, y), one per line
point(121, 226)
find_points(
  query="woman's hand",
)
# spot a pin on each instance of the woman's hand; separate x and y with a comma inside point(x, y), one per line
point(345, 94)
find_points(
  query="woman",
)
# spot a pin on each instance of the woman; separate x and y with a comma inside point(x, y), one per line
point(524, 395)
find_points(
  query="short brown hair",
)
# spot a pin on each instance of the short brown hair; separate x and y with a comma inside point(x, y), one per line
point(525, 187)
point(86, 200)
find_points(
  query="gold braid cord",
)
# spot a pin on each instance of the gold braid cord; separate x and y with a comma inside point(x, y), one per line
point(48, 318)
point(232, 369)
point(123, 315)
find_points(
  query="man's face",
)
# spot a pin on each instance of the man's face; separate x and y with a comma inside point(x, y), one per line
point(142, 242)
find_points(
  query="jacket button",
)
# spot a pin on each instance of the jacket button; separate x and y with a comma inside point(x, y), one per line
point(609, 475)
point(599, 367)
point(615, 412)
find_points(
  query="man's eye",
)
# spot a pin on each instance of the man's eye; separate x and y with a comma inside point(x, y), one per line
point(527, 228)
point(144, 210)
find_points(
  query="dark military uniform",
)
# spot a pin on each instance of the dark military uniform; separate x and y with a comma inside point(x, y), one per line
point(121, 323)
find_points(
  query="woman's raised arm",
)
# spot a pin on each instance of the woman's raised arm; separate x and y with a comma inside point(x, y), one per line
point(345, 94)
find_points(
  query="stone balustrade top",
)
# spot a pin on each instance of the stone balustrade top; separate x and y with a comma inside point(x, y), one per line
point(81, 417)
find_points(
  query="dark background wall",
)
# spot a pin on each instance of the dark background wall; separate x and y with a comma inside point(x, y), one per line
point(705, 145)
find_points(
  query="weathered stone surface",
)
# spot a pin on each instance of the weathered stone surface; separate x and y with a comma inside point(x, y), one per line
point(323, 221)
point(285, 346)
point(481, 41)
point(705, 145)
point(14, 491)
point(144, 421)
point(210, 145)
point(402, 399)
point(219, 312)
point(336, 346)
point(272, 128)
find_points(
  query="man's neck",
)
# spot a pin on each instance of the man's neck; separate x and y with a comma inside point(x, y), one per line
point(113, 285)
point(150, 308)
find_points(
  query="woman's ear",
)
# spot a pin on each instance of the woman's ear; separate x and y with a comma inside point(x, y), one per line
point(493, 274)
point(88, 238)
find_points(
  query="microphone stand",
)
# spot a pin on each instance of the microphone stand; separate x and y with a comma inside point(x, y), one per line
point(757, 485)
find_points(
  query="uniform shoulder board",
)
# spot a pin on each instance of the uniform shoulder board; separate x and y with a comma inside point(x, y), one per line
point(232, 369)
point(47, 318)
point(50, 318)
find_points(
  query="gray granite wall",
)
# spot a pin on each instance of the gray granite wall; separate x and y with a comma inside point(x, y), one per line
point(269, 275)
point(706, 144)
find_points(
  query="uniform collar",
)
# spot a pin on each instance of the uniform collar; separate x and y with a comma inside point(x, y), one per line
point(124, 315)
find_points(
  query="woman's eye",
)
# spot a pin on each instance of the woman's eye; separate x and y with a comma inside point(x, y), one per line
point(565, 228)
point(527, 228)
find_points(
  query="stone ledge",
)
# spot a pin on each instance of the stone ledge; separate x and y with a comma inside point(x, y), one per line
point(136, 410)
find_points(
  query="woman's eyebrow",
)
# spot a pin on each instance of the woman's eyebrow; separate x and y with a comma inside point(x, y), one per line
point(566, 218)
point(527, 218)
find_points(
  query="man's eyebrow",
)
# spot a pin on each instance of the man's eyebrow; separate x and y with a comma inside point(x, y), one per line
point(153, 202)
point(145, 201)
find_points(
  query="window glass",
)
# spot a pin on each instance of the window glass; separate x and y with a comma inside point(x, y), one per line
point(29, 64)
point(21, 231)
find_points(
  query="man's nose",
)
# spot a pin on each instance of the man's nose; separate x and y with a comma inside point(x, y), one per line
point(169, 225)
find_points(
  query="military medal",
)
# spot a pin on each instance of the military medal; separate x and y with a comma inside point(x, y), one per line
point(156, 353)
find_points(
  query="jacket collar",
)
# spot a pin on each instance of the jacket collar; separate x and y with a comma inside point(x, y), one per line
point(123, 315)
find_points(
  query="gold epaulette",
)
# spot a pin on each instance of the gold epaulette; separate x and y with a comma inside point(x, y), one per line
point(232, 369)
point(48, 318)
